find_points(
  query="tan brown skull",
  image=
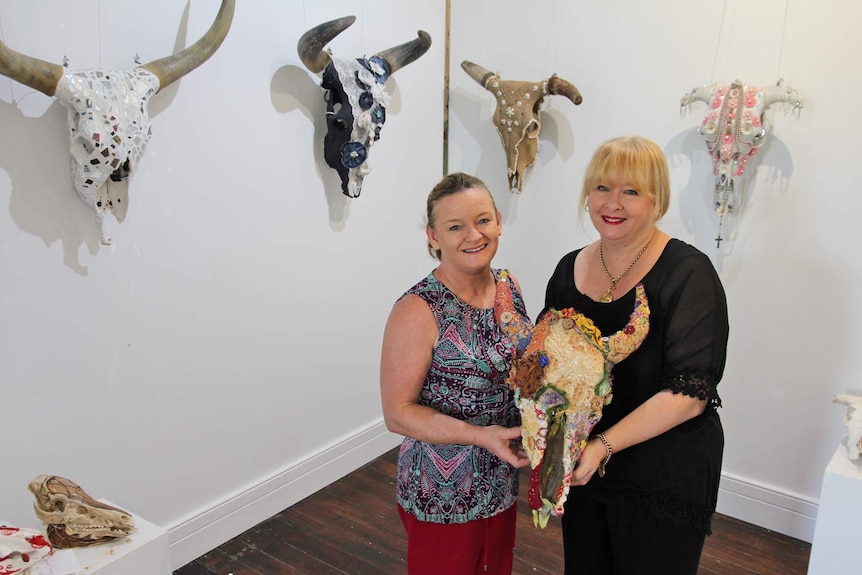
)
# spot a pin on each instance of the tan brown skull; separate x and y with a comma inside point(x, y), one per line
point(518, 116)
point(73, 518)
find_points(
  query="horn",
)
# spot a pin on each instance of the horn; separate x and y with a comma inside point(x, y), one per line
point(38, 74)
point(172, 68)
point(403, 54)
point(310, 45)
point(477, 72)
point(558, 86)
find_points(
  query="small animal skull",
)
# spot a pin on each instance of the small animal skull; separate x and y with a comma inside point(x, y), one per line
point(72, 517)
point(853, 421)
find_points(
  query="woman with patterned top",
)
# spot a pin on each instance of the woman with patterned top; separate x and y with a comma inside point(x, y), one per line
point(645, 488)
point(443, 384)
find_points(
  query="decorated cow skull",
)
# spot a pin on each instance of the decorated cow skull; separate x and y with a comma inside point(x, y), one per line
point(561, 376)
point(518, 116)
point(853, 421)
point(72, 517)
point(733, 129)
point(109, 124)
point(355, 97)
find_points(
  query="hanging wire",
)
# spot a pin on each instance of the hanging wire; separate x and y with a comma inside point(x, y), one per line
point(553, 39)
point(718, 43)
point(783, 38)
point(99, 20)
point(362, 30)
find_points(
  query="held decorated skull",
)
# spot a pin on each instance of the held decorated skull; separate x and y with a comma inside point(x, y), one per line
point(561, 376)
point(72, 517)
point(355, 97)
point(109, 124)
point(733, 130)
point(518, 116)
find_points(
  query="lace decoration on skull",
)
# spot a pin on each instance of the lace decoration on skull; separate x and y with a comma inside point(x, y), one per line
point(360, 81)
point(562, 381)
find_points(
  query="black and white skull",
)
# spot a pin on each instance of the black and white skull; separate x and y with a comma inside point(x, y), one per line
point(355, 97)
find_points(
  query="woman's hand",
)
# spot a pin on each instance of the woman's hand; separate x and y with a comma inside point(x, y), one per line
point(504, 442)
point(591, 456)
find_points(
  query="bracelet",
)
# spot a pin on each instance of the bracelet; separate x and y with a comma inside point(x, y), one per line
point(601, 469)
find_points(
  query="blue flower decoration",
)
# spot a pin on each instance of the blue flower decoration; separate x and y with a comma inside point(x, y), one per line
point(353, 154)
point(543, 360)
point(366, 100)
point(376, 64)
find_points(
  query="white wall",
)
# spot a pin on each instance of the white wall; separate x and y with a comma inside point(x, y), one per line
point(791, 274)
point(219, 361)
point(227, 344)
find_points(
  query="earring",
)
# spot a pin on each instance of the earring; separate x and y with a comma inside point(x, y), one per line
point(586, 207)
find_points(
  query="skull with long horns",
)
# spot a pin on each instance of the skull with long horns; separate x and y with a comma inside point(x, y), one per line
point(355, 97)
point(518, 116)
point(109, 123)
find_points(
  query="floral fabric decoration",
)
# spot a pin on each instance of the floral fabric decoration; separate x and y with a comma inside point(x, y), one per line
point(562, 380)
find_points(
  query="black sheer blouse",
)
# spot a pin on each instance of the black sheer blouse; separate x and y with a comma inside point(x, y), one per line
point(677, 473)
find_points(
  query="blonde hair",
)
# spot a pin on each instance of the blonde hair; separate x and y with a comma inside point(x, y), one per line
point(635, 159)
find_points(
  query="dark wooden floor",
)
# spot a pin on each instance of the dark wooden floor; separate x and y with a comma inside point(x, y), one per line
point(352, 528)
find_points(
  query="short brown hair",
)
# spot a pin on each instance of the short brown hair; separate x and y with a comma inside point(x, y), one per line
point(449, 185)
point(638, 160)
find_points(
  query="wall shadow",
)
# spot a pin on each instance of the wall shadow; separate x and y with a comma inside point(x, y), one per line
point(696, 197)
point(43, 201)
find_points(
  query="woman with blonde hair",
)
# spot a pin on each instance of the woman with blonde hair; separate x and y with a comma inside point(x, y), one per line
point(659, 442)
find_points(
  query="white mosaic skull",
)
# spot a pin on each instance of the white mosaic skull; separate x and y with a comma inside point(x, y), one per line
point(109, 124)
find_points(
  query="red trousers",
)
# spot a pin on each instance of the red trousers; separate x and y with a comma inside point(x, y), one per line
point(479, 547)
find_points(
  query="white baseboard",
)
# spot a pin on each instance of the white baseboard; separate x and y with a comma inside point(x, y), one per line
point(765, 506)
point(203, 531)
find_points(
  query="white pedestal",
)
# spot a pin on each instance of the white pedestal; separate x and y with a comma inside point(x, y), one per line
point(144, 552)
point(836, 546)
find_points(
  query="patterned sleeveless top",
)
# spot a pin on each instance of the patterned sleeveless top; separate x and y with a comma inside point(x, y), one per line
point(442, 483)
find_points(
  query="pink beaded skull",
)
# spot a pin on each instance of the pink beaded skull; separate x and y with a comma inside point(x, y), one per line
point(733, 130)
